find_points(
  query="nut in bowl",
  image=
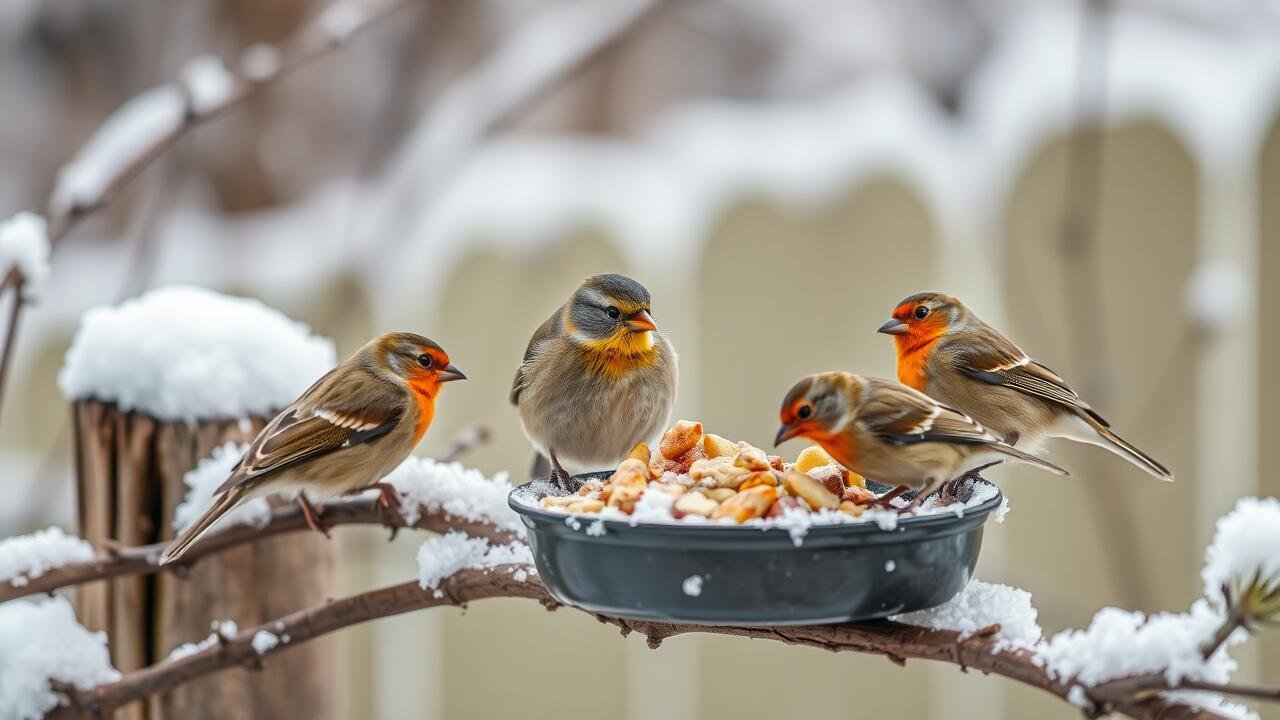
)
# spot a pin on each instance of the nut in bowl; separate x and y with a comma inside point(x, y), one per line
point(764, 541)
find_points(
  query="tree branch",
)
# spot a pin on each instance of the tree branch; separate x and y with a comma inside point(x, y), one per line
point(144, 559)
point(314, 40)
point(894, 641)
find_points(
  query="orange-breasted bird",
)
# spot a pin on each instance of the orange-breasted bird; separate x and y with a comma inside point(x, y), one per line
point(945, 351)
point(596, 379)
point(891, 433)
point(344, 434)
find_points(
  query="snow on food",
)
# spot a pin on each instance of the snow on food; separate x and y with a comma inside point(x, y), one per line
point(697, 477)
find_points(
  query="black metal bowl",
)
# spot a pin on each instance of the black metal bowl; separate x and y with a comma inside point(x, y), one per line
point(747, 575)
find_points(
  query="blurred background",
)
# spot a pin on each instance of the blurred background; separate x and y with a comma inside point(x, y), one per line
point(1100, 180)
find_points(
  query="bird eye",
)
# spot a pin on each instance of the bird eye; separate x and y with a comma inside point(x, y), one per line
point(426, 361)
point(922, 312)
point(613, 312)
point(805, 412)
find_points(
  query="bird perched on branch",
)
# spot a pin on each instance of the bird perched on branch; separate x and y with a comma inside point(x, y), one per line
point(596, 379)
point(944, 350)
point(891, 433)
point(346, 432)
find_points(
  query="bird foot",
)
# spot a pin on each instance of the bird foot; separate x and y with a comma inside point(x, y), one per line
point(559, 475)
point(388, 498)
point(885, 501)
point(315, 518)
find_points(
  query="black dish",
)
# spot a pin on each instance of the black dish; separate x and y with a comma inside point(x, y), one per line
point(751, 576)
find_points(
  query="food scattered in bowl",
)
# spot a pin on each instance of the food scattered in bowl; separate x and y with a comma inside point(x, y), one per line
point(699, 477)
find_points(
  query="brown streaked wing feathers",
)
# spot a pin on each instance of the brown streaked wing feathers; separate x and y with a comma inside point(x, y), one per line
point(900, 415)
point(989, 357)
point(298, 434)
point(545, 331)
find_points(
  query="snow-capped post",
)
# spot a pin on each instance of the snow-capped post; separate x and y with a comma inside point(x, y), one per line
point(158, 385)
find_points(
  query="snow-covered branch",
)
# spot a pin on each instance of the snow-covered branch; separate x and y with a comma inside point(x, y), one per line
point(143, 129)
point(985, 650)
point(1169, 665)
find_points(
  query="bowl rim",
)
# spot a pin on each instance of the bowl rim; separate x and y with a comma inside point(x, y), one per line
point(927, 522)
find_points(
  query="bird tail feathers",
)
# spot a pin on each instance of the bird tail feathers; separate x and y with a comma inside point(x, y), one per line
point(1107, 439)
point(1029, 459)
point(221, 505)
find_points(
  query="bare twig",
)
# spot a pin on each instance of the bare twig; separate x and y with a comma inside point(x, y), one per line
point(894, 641)
point(11, 330)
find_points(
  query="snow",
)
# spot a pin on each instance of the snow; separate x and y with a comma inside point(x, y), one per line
point(692, 585)
point(979, 605)
point(42, 640)
point(1079, 697)
point(222, 630)
point(342, 18)
point(187, 353)
point(596, 529)
point(210, 85)
point(122, 141)
point(29, 556)
point(442, 556)
point(1215, 294)
point(425, 484)
point(260, 62)
point(264, 641)
point(1244, 547)
point(208, 474)
point(890, 566)
point(24, 244)
point(1125, 642)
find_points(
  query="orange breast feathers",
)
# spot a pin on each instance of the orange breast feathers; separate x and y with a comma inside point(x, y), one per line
point(912, 356)
point(621, 353)
point(424, 394)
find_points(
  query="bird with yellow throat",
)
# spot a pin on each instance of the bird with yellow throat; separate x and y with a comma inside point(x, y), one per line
point(596, 379)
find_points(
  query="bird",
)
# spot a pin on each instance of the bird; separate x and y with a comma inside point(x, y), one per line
point(945, 351)
point(343, 434)
point(597, 378)
point(890, 433)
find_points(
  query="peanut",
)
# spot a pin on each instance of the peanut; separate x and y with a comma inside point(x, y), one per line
point(851, 509)
point(751, 458)
point(680, 439)
point(813, 457)
point(814, 493)
point(571, 504)
point(763, 477)
point(717, 472)
point(716, 446)
point(640, 452)
point(747, 504)
point(695, 504)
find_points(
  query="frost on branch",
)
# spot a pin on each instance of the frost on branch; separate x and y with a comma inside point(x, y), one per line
point(41, 640)
point(209, 84)
point(207, 476)
point(24, 245)
point(30, 556)
point(1244, 560)
point(222, 630)
point(120, 143)
point(186, 353)
point(461, 492)
point(981, 605)
point(440, 557)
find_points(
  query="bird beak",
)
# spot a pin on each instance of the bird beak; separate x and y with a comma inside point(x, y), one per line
point(641, 322)
point(785, 433)
point(893, 326)
point(450, 372)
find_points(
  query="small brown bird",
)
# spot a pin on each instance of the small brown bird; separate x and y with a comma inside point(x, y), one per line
point(890, 433)
point(346, 432)
point(596, 379)
point(944, 350)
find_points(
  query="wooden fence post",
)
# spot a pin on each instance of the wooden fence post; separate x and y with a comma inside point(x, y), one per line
point(130, 471)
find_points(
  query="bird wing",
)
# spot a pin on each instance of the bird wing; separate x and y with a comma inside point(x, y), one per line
point(989, 357)
point(900, 415)
point(320, 422)
point(545, 332)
